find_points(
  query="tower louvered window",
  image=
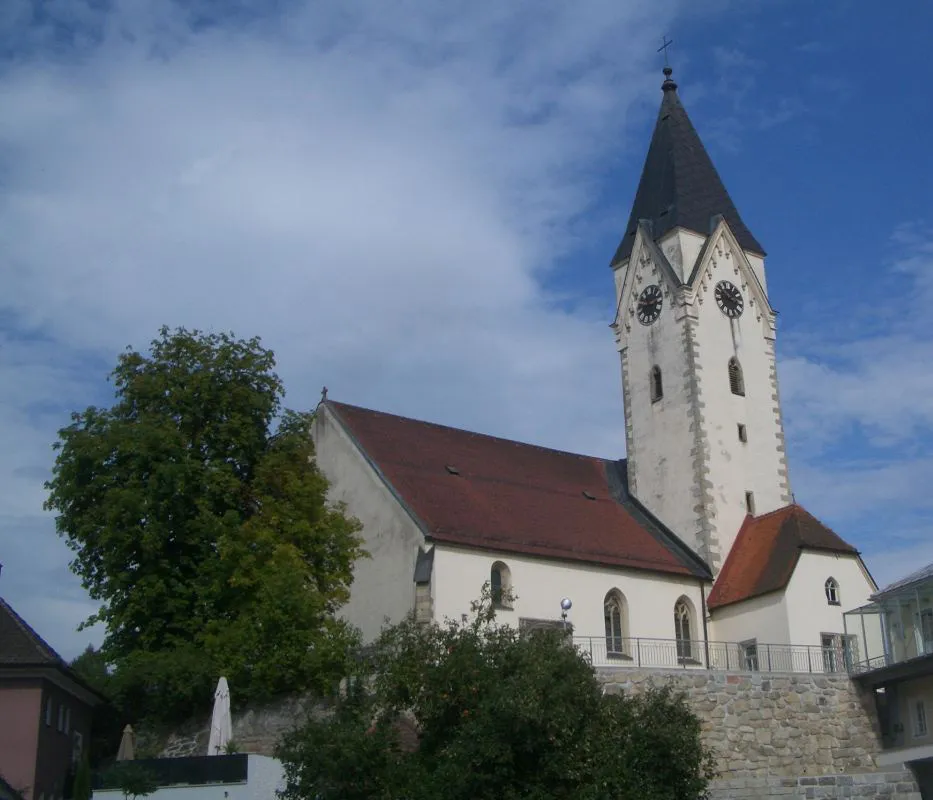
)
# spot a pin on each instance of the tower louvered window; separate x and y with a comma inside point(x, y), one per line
point(657, 385)
point(736, 380)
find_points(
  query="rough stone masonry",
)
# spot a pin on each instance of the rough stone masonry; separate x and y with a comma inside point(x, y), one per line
point(773, 735)
point(781, 735)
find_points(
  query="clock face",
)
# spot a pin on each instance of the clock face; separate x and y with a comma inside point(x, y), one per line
point(729, 299)
point(649, 304)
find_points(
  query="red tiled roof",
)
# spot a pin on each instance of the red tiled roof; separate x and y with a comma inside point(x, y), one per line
point(513, 497)
point(766, 551)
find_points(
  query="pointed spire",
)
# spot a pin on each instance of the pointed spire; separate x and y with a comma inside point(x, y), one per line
point(679, 185)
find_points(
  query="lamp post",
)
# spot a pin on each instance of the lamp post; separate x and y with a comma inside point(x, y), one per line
point(565, 605)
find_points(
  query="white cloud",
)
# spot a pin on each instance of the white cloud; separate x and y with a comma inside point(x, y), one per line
point(859, 420)
point(378, 190)
point(381, 191)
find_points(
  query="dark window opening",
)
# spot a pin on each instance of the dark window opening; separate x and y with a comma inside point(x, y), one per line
point(657, 385)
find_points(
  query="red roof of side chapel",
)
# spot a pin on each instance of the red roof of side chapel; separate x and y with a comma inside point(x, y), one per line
point(766, 552)
point(487, 493)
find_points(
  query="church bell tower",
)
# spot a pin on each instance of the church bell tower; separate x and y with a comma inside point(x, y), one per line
point(695, 332)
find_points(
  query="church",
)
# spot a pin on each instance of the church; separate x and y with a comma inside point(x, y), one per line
point(689, 552)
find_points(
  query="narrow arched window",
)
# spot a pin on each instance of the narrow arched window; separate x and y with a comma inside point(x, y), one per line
point(832, 591)
point(736, 380)
point(615, 615)
point(683, 628)
point(657, 386)
point(500, 585)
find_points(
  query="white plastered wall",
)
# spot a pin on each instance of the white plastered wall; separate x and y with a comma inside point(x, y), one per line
point(539, 584)
point(761, 618)
point(383, 585)
point(808, 613)
point(659, 434)
point(732, 467)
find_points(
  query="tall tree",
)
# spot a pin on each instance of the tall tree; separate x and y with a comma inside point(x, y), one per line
point(478, 711)
point(204, 533)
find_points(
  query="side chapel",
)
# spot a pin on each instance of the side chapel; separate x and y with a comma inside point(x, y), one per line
point(690, 551)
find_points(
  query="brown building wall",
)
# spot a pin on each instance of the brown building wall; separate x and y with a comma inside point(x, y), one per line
point(56, 739)
point(20, 703)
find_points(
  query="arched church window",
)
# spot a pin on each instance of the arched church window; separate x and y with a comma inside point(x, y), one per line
point(615, 613)
point(657, 386)
point(500, 582)
point(683, 628)
point(736, 380)
point(832, 591)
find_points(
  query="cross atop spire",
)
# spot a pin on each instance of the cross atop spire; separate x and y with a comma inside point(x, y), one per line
point(663, 48)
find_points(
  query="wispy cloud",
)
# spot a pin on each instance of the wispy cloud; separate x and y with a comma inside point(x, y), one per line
point(379, 190)
point(857, 405)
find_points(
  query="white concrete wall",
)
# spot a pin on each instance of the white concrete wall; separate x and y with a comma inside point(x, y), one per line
point(808, 613)
point(762, 618)
point(734, 467)
point(383, 585)
point(659, 434)
point(459, 575)
point(265, 777)
point(690, 438)
point(681, 248)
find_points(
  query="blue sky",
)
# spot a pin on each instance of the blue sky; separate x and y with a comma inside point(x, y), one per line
point(416, 203)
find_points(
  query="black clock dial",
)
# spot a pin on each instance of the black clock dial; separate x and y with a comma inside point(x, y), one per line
point(729, 299)
point(649, 304)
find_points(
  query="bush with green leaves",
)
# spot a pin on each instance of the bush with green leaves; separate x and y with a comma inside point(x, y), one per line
point(204, 534)
point(497, 716)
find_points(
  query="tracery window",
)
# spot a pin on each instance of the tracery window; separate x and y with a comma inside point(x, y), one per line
point(683, 628)
point(615, 613)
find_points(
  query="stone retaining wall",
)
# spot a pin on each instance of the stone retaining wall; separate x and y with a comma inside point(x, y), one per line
point(773, 735)
point(777, 735)
point(761, 724)
point(898, 785)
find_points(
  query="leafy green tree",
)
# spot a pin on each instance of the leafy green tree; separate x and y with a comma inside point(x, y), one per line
point(134, 780)
point(204, 534)
point(496, 715)
point(107, 723)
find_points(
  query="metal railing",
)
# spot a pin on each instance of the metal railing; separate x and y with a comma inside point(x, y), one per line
point(605, 651)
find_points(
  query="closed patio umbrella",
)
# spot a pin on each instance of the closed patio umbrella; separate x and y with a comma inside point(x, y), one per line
point(127, 751)
point(221, 723)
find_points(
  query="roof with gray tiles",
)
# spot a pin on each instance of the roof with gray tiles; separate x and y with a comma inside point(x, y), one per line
point(20, 645)
point(679, 185)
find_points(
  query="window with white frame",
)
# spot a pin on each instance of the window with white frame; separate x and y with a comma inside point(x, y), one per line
point(831, 587)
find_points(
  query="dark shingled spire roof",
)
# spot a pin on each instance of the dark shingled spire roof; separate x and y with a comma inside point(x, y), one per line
point(679, 185)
